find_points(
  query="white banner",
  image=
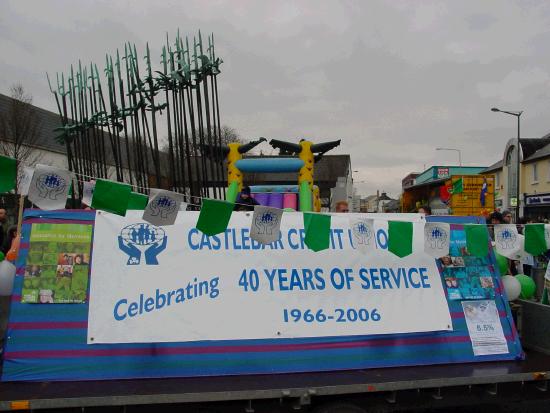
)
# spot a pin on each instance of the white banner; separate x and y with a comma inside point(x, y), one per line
point(162, 284)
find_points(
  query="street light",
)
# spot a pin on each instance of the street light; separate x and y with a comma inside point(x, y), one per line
point(452, 149)
point(517, 115)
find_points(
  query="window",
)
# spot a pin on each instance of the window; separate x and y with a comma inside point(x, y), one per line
point(497, 179)
point(535, 173)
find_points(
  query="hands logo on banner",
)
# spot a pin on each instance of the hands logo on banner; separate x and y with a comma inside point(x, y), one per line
point(436, 237)
point(266, 223)
point(363, 233)
point(506, 239)
point(136, 239)
point(163, 206)
point(50, 186)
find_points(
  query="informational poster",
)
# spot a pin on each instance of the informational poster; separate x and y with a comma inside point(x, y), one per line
point(466, 277)
point(484, 327)
point(58, 264)
point(476, 197)
point(174, 283)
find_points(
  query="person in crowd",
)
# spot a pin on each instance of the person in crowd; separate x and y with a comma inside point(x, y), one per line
point(11, 234)
point(507, 217)
point(245, 202)
point(425, 209)
point(3, 220)
point(342, 206)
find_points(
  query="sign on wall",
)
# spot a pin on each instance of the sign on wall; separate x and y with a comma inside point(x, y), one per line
point(173, 283)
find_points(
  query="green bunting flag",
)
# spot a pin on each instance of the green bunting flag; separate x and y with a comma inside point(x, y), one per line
point(8, 174)
point(111, 196)
point(137, 201)
point(400, 237)
point(317, 227)
point(214, 216)
point(535, 243)
point(458, 186)
point(477, 240)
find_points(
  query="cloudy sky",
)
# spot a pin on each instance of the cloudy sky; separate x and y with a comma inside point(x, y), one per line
point(392, 79)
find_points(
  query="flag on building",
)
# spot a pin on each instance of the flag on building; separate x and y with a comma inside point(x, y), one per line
point(266, 224)
point(458, 186)
point(49, 187)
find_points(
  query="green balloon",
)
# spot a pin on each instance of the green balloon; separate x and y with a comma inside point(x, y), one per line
point(502, 264)
point(2, 256)
point(528, 286)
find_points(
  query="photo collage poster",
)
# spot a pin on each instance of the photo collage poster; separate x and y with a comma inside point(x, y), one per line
point(58, 264)
point(466, 277)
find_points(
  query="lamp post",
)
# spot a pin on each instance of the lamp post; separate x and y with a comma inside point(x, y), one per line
point(453, 149)
point(518, 116)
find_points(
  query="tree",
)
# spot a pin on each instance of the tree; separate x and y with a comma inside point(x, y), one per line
point(20, 129)
point(228, 135)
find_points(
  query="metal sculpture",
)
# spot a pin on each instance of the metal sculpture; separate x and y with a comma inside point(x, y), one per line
point(116, 128)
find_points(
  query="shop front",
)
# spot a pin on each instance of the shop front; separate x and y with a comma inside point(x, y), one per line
point(537, 206)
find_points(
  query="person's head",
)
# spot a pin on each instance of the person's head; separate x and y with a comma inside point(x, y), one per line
point(12, 232)
point(496, 218)
point(78, 259)
point(342, 206)
point(245, 193)
point(446, 260)
point(425, 209)
point(507, 217)
point(3, 215)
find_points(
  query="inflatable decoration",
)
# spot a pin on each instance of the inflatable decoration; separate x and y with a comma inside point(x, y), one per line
point(528, 286)
point(512, 287)
point(304, 196)
point(502, 264)
point(7, 276)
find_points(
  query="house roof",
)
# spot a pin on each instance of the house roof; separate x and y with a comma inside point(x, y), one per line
point(494, 167)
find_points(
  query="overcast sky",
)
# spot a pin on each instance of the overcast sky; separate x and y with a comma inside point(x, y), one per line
point(392, 79)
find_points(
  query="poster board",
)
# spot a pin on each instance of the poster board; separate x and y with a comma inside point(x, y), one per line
point(49, 342)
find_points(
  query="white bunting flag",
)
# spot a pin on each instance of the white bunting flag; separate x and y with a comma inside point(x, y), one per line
point(162, 208)
point(507, 240)
point(88, 192)
point(547, 233)
point(362, 230)
point(25, 181)
point(437, 236)
point(49, 187)
point(266, 224)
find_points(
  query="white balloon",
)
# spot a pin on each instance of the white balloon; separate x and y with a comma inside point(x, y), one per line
point(512, 287)
point(7, 276)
